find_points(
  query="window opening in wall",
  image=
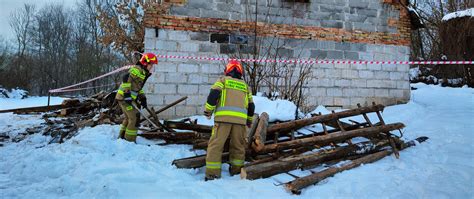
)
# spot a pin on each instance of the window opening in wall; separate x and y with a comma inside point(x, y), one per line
point(220, 38)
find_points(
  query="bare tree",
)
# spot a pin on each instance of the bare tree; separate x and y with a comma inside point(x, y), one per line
point(52, 37)
point(22, 22)
point(91, 56)
point(4, 54)
point(280, 80)
point(58, 47)
point(123, 26)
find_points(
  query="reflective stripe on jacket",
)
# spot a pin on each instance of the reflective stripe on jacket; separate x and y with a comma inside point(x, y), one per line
point(133, 83)
point(231, 104)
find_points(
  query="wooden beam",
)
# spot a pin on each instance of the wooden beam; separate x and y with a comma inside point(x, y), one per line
point(283, 165)
point(287, 126)
point(196, 161)
point(295, 186)
point(168, 106)
point(171, 105)
point(333, 137)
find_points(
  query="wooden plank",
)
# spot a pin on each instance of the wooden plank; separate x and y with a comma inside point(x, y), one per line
point(34, 109)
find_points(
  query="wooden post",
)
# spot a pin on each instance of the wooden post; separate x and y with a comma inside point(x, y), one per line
point(49, 98)
point(252, 129)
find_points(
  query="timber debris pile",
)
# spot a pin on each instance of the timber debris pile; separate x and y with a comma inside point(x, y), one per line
point(280, 148)
point(62, 121)
point(322, 144)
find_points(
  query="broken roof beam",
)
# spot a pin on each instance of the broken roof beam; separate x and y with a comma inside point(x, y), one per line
point(168, 106)
point(283, 165)
point(292, 125)
point(333, 137)
point(296, 185)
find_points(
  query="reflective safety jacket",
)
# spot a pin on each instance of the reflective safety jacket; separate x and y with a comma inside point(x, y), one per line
point(231, 101)
point(132, 84)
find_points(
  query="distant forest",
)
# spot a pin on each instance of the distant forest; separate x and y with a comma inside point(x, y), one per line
point(55, 46)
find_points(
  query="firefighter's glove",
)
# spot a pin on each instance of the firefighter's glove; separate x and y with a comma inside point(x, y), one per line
point(143, 102)
point(208, 114)
point(127, 97)
point(249, 123)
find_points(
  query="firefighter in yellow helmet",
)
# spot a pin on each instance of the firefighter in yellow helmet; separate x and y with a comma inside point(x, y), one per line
point(131, 90)
point(230, 99)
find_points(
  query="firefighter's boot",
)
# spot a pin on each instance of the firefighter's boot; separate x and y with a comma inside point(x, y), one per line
point(122, 131)
point(234, 170)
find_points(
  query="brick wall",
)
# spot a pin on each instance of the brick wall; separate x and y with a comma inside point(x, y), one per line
point(360, 21)
point(339, 29)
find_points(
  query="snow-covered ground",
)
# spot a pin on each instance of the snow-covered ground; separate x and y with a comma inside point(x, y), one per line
point(94, 164)
point(12, 124)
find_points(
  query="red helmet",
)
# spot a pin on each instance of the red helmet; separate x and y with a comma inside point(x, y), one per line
point(148, 58)
point(234, 64)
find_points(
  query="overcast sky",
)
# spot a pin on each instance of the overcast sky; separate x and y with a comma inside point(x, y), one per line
point(8, 6)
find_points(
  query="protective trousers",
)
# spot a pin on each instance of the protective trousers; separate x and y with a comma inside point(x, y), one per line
point(129, 126)
point(220, 132)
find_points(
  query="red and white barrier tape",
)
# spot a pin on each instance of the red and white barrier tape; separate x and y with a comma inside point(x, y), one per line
point(313, 61)
point(79, 89)
point(64, 89)
point(295, 61)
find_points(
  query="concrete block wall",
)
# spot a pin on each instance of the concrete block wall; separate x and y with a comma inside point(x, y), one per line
point(377, 30)
point(333, 84)
point(366, 15)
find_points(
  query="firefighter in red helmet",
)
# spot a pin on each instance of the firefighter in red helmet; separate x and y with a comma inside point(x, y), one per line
point(130, 91)
point(230, 99)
